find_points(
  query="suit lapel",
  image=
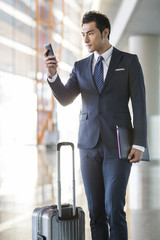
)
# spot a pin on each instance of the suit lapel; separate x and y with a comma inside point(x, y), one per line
point(115, 59)
point(90, 76)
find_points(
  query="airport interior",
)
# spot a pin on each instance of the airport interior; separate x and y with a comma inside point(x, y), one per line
point(32, 121)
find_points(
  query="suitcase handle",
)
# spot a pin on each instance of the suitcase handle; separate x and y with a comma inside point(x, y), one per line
point(59, 145)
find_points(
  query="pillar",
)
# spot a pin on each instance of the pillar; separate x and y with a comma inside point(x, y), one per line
point(148, 50)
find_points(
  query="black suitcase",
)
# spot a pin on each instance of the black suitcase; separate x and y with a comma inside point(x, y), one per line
point(62, 222)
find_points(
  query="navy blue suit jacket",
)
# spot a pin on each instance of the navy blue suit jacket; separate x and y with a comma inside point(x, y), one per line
point(102, 112)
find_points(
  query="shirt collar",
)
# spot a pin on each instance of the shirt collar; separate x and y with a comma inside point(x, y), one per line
point(105, 55)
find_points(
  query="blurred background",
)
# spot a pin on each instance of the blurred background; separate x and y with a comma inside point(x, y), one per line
point(32, 122)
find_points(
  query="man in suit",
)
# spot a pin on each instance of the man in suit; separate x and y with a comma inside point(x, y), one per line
point(106, 80)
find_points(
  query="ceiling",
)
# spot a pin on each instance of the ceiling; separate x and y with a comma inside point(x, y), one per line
point(143, 20)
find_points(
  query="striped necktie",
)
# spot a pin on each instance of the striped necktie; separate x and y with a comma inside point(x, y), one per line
point(98, 74)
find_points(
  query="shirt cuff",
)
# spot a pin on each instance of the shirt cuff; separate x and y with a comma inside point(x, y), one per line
point(53, 79)
point(139, 147)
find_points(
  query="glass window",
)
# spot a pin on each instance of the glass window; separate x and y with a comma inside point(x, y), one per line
point(74, 14)
point(6, 22)
point(6, 59)
point(23, 33)
point(72, 36)
point(23, 63)
point(57, 4)
point(18, 110)
point(23, 6)
point(68, 56)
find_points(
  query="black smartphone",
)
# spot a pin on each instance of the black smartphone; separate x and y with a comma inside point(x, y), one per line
point(50, 50)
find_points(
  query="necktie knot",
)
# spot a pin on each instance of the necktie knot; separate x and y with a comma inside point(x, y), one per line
point(100, 58)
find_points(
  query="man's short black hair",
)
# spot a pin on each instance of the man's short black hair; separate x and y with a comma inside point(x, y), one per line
point(100, 19)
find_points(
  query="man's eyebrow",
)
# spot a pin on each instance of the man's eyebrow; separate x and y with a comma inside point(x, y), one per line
point(87, 31)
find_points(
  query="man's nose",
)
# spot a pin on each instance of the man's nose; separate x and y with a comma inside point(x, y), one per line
point(86, 39)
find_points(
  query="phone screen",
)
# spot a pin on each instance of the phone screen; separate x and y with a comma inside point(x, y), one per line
point(50, 50)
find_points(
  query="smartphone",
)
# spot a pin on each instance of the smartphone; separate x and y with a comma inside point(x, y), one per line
point(50, 50)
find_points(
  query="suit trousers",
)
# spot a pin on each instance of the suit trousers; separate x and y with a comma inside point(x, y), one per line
point(105, 179)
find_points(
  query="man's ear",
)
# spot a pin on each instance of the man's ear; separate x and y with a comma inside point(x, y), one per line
point(106, 32)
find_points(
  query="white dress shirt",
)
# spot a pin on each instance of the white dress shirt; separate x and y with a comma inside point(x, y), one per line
point(106, 61)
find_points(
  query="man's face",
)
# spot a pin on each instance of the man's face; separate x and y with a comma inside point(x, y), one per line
point(94, 40)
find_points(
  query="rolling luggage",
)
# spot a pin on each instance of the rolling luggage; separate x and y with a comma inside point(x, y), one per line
point(62, 222)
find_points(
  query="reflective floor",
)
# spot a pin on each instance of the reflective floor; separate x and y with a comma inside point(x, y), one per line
point(28, 179)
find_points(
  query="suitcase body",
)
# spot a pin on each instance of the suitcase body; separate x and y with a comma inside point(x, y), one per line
point(62, 221)
point(47, 226)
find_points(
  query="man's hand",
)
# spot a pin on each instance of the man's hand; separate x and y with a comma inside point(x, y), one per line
point(135, 155)
point(51, 64)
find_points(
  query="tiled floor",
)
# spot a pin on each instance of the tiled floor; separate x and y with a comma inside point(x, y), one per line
point(28, 180)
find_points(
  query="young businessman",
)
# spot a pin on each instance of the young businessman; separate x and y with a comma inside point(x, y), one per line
point(106, 80)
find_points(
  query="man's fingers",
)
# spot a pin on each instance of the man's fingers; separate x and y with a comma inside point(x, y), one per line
point(135, 160)
point(51, 61)
point(135, 155)
point(49, 58)
point(45, 53)
point(51, 64)
point(130, 155)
